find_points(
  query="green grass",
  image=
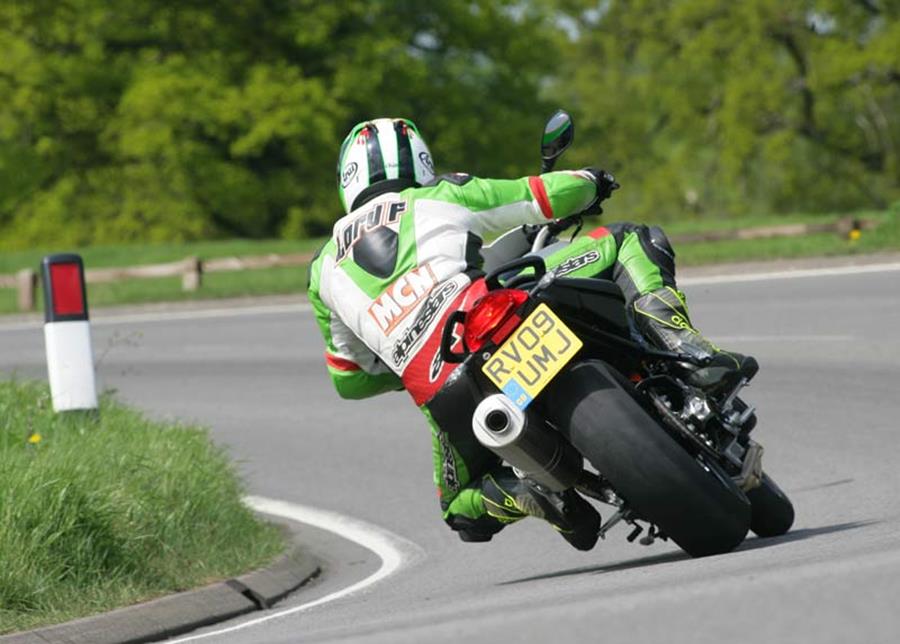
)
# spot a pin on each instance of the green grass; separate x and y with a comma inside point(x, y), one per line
point(293, 280)
point(700, 225)
point(133, 255)
point(886, 237)
point(96, 514)
point(269, 281)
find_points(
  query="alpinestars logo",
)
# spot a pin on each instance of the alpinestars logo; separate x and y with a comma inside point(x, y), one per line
point(401, 298)
point(448, 464)
point(432, 307)
point(574, 263)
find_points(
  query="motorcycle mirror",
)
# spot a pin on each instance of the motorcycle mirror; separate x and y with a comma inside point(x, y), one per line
point(558, 136)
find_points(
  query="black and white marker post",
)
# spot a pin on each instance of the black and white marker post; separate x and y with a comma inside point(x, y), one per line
point(67, 334)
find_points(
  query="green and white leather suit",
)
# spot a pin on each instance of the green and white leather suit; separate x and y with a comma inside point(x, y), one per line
point(395, 267)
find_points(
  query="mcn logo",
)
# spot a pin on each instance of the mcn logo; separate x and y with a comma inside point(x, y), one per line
point(401, 297)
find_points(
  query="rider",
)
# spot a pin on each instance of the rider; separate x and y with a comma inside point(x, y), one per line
point(406, 255)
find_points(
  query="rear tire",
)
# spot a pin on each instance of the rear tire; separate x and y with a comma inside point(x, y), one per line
point(695, 503)
point(773, 512)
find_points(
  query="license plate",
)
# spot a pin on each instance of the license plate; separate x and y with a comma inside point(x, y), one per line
point(532, 356)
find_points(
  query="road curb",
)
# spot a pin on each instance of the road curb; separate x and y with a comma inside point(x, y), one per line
point(183, 612)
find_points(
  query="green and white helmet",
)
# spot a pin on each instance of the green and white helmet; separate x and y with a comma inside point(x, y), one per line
point(381, 156)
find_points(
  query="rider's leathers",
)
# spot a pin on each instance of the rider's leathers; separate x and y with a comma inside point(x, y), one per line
point(396, 267)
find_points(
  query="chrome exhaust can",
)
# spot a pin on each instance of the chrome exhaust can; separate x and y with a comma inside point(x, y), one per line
point(537, 451)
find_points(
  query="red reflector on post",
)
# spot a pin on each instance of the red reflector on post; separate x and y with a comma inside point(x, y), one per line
point(65, 294)
point(68, 291)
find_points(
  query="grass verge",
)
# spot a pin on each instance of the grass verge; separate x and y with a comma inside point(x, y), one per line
point(293, 279)
point(886, 237)
point(133, 254)
point(101, 513)
point(272, 281)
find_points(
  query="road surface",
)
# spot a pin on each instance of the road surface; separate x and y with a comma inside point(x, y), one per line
point(828, 397)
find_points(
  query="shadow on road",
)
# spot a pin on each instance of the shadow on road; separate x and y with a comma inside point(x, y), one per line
point(622, 565)
point(752, 543)
point(803, 533)
point(820, 486)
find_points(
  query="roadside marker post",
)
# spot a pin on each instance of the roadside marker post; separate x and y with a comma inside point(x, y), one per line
point(67, 334)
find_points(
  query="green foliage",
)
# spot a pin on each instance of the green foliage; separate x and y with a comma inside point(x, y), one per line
point(151, 121)
point(712, 106)
point(99, 513)
point(147, 120)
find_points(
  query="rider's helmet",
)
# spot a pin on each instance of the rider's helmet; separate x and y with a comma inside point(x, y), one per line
point(384, 155)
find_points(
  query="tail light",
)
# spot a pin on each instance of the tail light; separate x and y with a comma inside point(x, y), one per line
point(489, 316)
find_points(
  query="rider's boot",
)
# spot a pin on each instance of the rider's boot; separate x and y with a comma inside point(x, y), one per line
point(662, 317)
point(507, 498)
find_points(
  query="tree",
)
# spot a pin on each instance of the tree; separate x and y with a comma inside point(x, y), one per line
point(147, 120)
point(712, 106)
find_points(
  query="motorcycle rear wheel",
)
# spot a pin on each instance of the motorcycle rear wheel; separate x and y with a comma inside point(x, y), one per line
point(693, 502)
point(773, 512)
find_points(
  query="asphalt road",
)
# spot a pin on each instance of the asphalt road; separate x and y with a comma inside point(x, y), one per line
point(828, 397)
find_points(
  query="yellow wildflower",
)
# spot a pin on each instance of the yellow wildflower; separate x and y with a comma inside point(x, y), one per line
point(34, 439)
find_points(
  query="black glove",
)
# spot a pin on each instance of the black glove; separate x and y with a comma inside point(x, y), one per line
point(605, 183)
point(556, 226)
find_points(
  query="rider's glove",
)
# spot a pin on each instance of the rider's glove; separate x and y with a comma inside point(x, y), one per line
point(605, 183)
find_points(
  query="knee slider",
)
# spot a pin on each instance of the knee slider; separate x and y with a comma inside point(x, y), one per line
point(474, 530)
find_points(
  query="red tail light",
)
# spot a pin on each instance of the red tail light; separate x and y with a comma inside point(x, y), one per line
point(489, 314)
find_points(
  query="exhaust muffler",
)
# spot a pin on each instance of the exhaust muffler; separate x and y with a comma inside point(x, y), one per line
point(535, 450)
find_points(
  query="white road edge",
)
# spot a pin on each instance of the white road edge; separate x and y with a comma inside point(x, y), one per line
point(789, 274)
point(394, 551)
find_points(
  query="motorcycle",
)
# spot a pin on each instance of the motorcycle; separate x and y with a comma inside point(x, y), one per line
point(558, 383)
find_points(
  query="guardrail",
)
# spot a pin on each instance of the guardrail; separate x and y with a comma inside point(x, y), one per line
point(192, 269)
